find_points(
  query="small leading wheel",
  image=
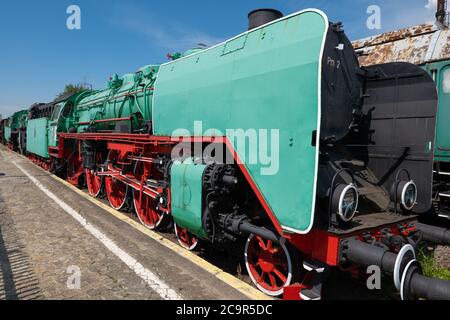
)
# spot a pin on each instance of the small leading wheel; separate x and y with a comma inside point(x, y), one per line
point(146, 207)
point(269, 265)
point(115, 189)
point(186, 239)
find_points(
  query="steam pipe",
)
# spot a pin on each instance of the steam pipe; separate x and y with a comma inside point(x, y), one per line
point(247, 227)
point(434, 234)
point(240, 225)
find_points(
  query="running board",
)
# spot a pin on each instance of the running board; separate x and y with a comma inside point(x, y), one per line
point(442, 173)
point(444, 215)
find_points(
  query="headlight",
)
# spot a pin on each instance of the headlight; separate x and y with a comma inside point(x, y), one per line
point(345, 201)
point(407, 194)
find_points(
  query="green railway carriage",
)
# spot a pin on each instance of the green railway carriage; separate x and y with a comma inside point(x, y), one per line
point(45, 122)
point(7, 133)
point(3, 125)
point(37, 133)
point(440, 71)
point(15, 131)
point(426, 46)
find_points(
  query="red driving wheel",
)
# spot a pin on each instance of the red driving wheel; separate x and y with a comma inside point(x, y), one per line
point(93, 181)
point(145, 206)
point(269, 265)
point(115, 189)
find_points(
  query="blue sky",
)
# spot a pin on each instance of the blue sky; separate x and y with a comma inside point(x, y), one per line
point(39, 55)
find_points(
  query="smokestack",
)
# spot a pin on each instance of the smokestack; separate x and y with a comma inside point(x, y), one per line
point(260, 17)
point(441, 13)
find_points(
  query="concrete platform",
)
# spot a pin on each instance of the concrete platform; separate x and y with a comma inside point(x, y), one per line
point(45, 241)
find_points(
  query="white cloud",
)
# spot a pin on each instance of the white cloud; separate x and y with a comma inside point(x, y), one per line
point(164, 33)
point(173, 36)
point(395, 15)
point(430, 12)
point(431, 5)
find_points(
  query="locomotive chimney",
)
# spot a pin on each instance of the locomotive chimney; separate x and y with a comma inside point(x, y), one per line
point(441, 13)
point(260, 17)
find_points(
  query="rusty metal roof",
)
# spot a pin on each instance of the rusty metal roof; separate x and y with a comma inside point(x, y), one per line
point(419, 44)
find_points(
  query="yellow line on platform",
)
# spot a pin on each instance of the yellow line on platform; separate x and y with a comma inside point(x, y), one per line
point(237, 284)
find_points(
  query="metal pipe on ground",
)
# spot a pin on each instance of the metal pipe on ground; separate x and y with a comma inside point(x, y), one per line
point(434, 234)
point(429, 288)
point(412, 283)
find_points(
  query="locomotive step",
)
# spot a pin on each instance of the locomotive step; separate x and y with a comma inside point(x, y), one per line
point(312, 265)
point(442, 173)
point(444, 214)
point(317, 272)
point(311, 294)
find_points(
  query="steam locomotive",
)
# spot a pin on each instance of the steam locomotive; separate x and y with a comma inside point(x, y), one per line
point(353, 146)
point(14, 131)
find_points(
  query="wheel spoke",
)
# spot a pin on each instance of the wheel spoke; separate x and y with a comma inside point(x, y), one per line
point(261, 276)
point(279, 275)
point(270, 246)
point(261, 243)
point(272, 280)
